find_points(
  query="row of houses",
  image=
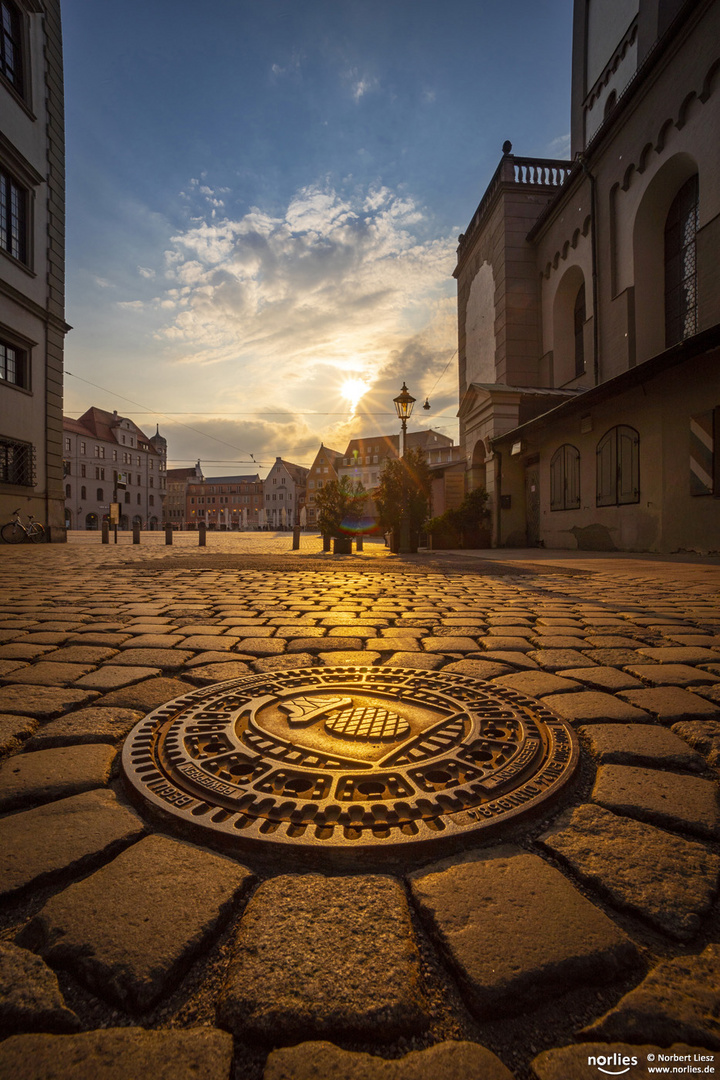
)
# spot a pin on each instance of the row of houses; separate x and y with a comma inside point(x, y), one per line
point(114, 472)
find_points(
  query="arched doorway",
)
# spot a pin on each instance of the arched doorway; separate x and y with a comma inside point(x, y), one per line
point(91, 521)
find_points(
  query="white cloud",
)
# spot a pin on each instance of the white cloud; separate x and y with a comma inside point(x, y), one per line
point(560, 148)
point(146, 272)
point(277, 308)
point(103, 283)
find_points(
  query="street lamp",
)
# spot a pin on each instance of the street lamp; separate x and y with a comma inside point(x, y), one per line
point(404, 406)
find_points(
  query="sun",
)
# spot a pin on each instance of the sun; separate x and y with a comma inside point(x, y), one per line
point(352, 390)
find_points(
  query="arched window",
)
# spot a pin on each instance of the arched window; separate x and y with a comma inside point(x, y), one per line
point(68, 491)
point(618, 467)
point(565, 478)
point(579, 316)
point(127, 496)
point(681, 227)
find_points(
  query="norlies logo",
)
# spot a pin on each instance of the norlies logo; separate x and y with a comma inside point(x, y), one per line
point(621, 1063)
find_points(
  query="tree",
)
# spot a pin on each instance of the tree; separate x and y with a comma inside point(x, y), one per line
point(340, 505)
point(463, 526)
point(404, 488)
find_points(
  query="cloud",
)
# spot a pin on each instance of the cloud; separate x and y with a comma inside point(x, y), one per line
point(274, 310)
point(560, 148)
point(146, 272)
point(103, 283)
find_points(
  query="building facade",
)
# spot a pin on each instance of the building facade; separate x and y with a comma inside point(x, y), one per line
point(323, 469)
point(108, 460)
point(589, 299)
point(177, 480)
point(224, 502)
point(32, 262)
point(285, 494)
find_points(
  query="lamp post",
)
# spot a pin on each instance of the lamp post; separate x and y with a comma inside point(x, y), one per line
point(404, 406)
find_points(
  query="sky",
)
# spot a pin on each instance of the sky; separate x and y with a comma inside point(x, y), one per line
point(263, 204)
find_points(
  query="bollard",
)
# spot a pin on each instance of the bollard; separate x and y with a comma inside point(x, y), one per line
point(168, 534)
point(136, 534)
point(359, 542)
point(326, 543)
point(115, 533)
point(202, 534)
point(296, 538)
point(105, 533)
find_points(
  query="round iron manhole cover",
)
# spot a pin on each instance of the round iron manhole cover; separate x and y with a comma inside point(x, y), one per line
point(349, 757)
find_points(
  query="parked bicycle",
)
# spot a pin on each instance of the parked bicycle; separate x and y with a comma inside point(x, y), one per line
point(15, 532)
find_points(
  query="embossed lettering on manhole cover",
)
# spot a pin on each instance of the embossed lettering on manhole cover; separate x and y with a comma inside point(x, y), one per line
point(349, 756)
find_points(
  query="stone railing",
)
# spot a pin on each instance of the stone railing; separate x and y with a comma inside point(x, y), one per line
point(545, 173)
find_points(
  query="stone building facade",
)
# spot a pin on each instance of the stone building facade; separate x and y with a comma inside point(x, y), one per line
point(108, 460)
point(589, 299)
point(224, 502)
point(285, 494)
point(323, 469)
point(32, 262)
point(177, 481)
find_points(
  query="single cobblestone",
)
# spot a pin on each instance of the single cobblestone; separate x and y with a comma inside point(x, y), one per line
point(667, 880)
point(166, 659)
point(663, 798)
point(38, 845)
point(44, 702)
point(145, 696)
point(43, 775)
point(671, 703)
point(93, 725)
point(703, 736)
point(560, 659)
point(602, 678)
point(444, 1061)
point(640, 744)
point(331, 957)
point(679, 999)
point(672, 674)
point(592, 705)
point(30, 998)
point(13, 731)
point(119, 1054)
point(131, 929)
point(112, 677)
point(515, 931)
point(537, 684)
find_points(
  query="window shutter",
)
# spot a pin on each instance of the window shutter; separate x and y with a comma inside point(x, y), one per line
point(606, 470)
point(628, 482)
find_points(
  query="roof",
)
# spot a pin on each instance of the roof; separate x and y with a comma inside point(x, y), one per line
point(102, 425)
point(701, 343)
point(245, 479)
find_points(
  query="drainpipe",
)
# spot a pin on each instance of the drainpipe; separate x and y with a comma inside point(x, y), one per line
point(498, 493)
point(593, 245)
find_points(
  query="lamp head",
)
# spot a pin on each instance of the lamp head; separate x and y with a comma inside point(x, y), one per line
point(404, 403)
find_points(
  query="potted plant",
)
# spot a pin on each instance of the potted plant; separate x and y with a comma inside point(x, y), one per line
point(340, 505)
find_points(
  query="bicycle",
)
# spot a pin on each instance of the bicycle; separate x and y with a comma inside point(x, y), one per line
point(17, 533)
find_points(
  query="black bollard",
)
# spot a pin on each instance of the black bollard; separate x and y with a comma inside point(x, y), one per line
point(296, 538)
point(202, 534)
point(359, 542)
point(136, 534)
point(168, 534)
point(326, 543)
point(105, 533)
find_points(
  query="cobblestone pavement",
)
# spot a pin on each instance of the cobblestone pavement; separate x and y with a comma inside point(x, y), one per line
point(578, 941)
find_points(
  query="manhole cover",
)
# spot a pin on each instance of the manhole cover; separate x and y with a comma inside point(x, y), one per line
point(349, 757)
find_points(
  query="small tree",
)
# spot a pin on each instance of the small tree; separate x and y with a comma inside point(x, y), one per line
point(404, 486)
point(462, 525)
point(340, 505)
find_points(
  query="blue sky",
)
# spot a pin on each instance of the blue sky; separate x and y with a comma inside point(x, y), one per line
point(264, 201)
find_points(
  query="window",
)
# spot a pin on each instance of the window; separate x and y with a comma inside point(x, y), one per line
point(705, 453)
point(152, 482)
point(68, 446)
point(99, 473)
point(82, 447)
point(114, 455)
point(68, 491)
point(13, 217)
point(681, 226)
point(82, 470)
point(311, 483)
point(138, 498)
point(139, 479)
point(99, 494)
point(565, 479)
point(152, 500)
point(17, 463)
point(83, 493)
point(127, 496)
point(10, 45)
point(13, 365)
point(579, 317)
point(618, 467)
